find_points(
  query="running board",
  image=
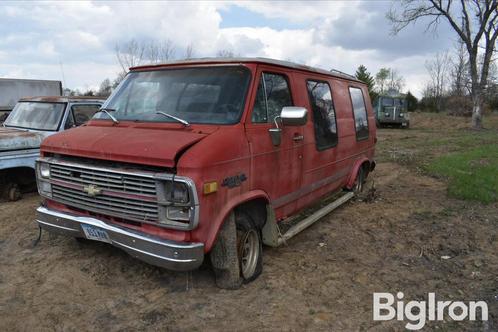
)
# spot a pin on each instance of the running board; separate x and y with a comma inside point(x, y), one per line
point(271, 232)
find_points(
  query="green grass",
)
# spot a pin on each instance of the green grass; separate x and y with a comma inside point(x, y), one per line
point(472, 175)
point(445, 147)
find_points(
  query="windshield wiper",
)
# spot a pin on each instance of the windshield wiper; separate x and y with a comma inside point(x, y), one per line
point(184, 122)
point(107, 111)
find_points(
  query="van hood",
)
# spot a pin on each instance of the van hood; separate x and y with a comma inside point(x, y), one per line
point(153, 147)
point(12, 139)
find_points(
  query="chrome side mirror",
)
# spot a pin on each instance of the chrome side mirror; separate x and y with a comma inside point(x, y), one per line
point(276, 133)
point(294, 116)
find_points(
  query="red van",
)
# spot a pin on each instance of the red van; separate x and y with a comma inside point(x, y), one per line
point(209, 156)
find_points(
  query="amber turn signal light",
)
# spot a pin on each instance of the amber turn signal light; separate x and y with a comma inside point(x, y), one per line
point(210, 187)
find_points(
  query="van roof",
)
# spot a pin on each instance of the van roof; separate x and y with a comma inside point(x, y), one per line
point(63, 99)
point(280, 63)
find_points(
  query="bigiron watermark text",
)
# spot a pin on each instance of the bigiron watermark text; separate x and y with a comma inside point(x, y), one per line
point(417, 313)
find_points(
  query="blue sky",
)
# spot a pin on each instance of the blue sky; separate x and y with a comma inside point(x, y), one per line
point(37, 37)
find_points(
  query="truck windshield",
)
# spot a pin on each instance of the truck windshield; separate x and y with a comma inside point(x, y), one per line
point(207, 95)
point(36, 115)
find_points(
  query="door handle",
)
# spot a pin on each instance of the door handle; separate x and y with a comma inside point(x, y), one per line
point(298, 138)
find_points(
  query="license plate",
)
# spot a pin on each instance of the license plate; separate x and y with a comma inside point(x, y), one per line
point(95, 233)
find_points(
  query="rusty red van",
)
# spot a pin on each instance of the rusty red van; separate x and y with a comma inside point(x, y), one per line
point(209, 158)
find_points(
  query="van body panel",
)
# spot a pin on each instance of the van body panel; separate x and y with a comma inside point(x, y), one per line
point(233, 164)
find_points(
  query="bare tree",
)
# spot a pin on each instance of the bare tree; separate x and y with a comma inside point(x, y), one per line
point(381, 79)
point(478, 30)
point(225, 53)
point(156, 52)
point(130, 54)
point(459, 71)
point(189, 52)
point(438, 72)
point(395, 81)
point(105, 88)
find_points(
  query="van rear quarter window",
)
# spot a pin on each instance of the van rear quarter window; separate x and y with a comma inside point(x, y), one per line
point(359, 112)
point(324, 119)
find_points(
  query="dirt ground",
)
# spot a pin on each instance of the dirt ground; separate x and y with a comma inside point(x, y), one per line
point(322, 280)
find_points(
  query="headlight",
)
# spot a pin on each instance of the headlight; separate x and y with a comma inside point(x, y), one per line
point(45, 188)
point(44, 170)
point(178, 213)
point(176, 192)
point(178, 207)
point(387, 114)
point(43, 175)
point(401, 115)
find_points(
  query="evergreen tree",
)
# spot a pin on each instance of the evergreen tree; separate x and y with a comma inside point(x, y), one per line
point(363, 75)
point(412, 102)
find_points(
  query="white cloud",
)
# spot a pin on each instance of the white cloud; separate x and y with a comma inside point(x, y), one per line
point(35, 37)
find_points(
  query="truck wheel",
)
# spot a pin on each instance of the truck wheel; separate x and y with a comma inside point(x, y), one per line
point(12, 192)
point(359, 181)
point(249, 248)
point(236, 256)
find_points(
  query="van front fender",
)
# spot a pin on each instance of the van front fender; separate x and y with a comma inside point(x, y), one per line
point(225, 212)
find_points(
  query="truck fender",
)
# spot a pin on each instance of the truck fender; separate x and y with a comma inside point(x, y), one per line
point(354, 172)
point(225, 212)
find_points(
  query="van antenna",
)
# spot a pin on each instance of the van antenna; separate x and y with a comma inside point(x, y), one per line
point(63, 77)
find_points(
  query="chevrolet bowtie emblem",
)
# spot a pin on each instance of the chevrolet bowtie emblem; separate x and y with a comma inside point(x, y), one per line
point(92, 190)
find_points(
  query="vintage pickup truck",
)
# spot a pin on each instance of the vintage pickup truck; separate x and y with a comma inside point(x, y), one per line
point(32, 120)
point(207, 158)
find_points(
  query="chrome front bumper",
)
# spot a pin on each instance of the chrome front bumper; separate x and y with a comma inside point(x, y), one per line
point(178, 256)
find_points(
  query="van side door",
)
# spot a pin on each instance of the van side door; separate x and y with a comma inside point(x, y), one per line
point(275, 169)
point(324, 168)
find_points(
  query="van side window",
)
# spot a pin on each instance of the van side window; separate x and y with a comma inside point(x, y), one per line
point(273, 94)
point(324, 120)
point(359, 112)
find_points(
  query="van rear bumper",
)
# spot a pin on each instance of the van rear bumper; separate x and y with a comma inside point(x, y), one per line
point(172, 255)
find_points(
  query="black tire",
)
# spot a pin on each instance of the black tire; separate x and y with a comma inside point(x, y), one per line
point(227, 255)
point(359, 181)
point(12, 192)
point(246, 228)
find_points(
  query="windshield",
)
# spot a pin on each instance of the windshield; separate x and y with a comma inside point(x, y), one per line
point(386, 101)
point(36, 115)
point(399, 102)
point(210, 95)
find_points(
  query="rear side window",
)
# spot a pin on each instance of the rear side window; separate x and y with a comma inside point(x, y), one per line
point(82, 113)
point(324, 120)
point(273, 94)
point(359, 112)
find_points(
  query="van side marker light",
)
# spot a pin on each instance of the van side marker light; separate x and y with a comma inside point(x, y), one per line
point(210, 187)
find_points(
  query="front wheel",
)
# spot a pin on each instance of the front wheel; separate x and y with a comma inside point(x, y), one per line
point(12, 192)
point(237, 256)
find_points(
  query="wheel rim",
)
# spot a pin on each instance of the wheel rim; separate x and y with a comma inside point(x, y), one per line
point(248, 253)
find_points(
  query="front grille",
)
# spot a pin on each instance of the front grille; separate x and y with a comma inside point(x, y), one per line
point(104, 179)
point(125, 196)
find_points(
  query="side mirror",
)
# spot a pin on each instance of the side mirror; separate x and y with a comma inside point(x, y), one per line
point(294, 116)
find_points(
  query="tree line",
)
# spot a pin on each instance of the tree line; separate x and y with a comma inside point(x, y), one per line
point(134, 53)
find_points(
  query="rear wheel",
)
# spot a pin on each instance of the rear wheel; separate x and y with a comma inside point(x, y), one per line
point(359, 181)
point(237, 256)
